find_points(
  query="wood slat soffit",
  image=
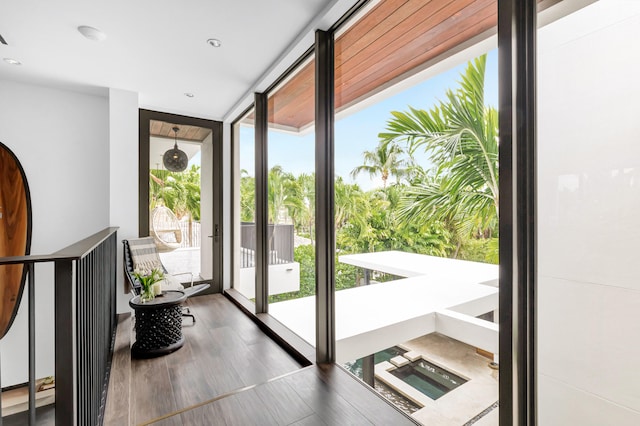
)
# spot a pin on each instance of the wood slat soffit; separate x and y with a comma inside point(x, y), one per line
point(163, 129)
point(391, 41)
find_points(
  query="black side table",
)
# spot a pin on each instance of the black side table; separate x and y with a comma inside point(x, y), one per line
point(158, 324)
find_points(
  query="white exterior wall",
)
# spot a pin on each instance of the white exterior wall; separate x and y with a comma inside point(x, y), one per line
point(62, 140)
point(283, 278)
point(589, 231)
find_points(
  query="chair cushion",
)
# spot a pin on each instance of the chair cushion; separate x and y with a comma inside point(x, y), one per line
point(144, 255)
point(171, 283)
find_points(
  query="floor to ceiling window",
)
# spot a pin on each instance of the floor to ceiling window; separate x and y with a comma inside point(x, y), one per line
point(416, 205)
point(244, 244)
point(416, 193)
point(291, 198)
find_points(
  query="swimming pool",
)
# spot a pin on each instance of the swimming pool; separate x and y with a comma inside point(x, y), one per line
point(355, 367)
point(428, 378)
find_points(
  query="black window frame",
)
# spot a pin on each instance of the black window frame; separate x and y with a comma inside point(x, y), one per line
point(517, 20)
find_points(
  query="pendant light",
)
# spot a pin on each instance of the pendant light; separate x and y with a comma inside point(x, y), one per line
point(174, 159)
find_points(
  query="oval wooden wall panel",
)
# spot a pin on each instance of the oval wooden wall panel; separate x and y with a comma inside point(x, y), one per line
point(15, 234)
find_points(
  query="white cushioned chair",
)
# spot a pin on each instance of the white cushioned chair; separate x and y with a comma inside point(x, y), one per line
point(141, 254)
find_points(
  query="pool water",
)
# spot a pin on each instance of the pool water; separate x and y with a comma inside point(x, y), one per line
point(355, 367)
point(431, 380)
point(400, 401)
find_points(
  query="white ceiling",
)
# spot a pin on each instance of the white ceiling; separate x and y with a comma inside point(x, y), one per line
point(158, 48)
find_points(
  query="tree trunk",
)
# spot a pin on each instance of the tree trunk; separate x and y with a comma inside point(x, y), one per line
point(455, 253)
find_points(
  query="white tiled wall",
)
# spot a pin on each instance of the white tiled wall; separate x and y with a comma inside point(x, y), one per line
point(564, 405)
point(589, 217)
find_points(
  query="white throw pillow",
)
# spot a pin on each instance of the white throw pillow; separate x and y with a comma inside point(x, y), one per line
point(171, 283)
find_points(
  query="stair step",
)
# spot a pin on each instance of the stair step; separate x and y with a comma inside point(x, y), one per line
point(17, 400)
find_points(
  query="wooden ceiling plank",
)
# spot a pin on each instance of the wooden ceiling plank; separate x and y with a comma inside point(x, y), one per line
point(191, 133)
point(295, 88)
point(403, 41)
point(400, 20)
point(291, 108)
point(370, 27)
point(400, 23)
point(390, 68)
point(445, 24)
point(298, 86)
point(359, 28)
point(154, 126)
point(425, 47)
point(166, 128)
point(361, 88)
point(430, 39)
point(296, 92)
point(203, 134)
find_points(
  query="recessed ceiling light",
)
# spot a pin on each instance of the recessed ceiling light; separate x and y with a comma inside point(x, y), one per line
point(214, 42)
point(189, 95)
point(12, 61)
point(92, 33)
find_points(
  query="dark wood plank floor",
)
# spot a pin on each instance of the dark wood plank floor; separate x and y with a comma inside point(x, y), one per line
point(312, 396)
point(223, 352)
point(230, 373)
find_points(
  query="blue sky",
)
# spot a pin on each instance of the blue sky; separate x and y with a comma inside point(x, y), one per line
point(358, 132)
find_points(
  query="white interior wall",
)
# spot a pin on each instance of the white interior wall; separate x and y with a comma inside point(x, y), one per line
point(123, 175)
point(62, 140)
point(589, 198)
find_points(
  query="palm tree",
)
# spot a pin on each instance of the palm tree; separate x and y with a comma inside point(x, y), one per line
point(349, 203)
point(461, 135)
point(180, 192)
point(384, 161)
point(303, 213)
point(281, 187)
point(247, 197)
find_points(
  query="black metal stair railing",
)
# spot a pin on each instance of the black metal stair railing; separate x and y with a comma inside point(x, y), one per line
point(85, 325)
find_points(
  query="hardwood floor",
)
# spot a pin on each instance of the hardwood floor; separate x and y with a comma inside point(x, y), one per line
point(223, 351)
point(230, 373)
point(311, 396)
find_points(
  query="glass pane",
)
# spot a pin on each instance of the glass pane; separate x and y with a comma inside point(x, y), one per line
point(244, 277)
point(588, 194)
point(175, 219)
point(416, 193)
point(291, 187)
